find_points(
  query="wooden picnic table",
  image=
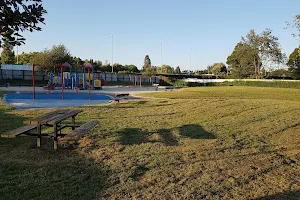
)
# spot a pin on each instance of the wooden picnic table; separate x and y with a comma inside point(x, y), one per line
point(53, 119)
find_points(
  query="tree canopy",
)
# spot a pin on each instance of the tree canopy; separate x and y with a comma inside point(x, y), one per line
point(294, 63)
point(266, 46)
point(17, 16)
point(7, 54)
point(147, 62)
point(219, 68)
point(241, 61)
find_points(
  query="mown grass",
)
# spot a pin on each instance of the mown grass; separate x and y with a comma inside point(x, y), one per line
point(194, 146)
point(230, 92)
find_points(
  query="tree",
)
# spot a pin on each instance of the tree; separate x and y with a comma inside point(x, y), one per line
point(50, 59)
point(7, 54)
point(209, 68)
point(266, 46)
point(131, 68)
point(24, 58)
point(147, 62)
point(219, 68)
point(166, 69)
point(295, 25)
point(294, 63)
point(177, 70)
point(241, 61)
point(18, 16)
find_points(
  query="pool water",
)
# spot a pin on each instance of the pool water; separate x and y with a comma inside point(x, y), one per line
point(53, 100)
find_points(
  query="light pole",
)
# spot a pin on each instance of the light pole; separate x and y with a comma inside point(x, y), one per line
point(161, 52)
point(112, 53)
point(190, 58)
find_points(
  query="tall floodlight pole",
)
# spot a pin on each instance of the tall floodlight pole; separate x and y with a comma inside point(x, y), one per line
point(190, 58)
point(112, 53)
point(161, 53)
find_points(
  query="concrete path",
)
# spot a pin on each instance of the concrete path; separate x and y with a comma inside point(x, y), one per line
point(112, 90)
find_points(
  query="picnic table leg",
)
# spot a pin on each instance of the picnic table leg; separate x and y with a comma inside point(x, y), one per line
point(55, 136)
point(39, 137)
point(73, 122)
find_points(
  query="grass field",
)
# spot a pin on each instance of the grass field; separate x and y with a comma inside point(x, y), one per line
point(196, 143)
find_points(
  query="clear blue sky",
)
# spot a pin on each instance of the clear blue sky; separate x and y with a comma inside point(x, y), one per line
point(211, 28)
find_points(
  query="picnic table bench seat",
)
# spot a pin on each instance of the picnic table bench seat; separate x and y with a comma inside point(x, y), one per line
point(118, 97)
point(79, 132)
point(19, 131)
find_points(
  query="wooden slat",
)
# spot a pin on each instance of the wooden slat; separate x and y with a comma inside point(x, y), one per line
point(16, 132)
point(81, 131)
point(64, 116)
point(46, 117)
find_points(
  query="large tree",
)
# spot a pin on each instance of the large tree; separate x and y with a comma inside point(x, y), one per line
point(241, 63)
point(266, 46)
point(17, 16)
point(294, 63)
point(7, 54)
point(166, 69)
point(219, 68)
point(147, 62)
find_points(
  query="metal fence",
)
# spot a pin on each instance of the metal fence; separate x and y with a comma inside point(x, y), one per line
point(27, 75)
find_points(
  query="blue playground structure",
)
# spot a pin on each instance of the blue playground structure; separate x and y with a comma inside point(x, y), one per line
point(86, 80)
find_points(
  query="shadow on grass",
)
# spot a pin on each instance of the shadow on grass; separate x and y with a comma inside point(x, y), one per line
point(31, 173)
point(136, 136)
point(195, 131)
point(8, 120)
point(289, 195)
point(131, 136)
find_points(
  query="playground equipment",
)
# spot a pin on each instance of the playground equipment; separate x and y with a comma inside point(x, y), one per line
point(77, 81)
point(65, 65)
point(69, 80)
point(88, 67)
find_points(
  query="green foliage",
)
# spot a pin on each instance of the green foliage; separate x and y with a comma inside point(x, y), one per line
point(243, 61)
point(7, 54)
point(147, 63)
point(276, 84)
point(266, 46)
point(294, 63)
point(166, 69)
point(279, 74)
point(18, 16)
point(219, 69)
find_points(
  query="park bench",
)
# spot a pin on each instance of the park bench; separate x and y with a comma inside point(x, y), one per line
point(53, 119)
point(79, 132)
point(118, 97)
point(156, 86)
point(19, 131)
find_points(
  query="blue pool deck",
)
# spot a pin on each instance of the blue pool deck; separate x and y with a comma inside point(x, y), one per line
point(53, 100)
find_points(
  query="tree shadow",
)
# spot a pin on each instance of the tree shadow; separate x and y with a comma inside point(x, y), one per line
point(132, 136)
point(136, 136)
point(168, 138)
point(288, 195)
point(60, 174)
point(10, 121)
point(195, 131)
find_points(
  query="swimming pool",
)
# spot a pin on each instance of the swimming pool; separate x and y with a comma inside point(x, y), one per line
point(53, 100)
